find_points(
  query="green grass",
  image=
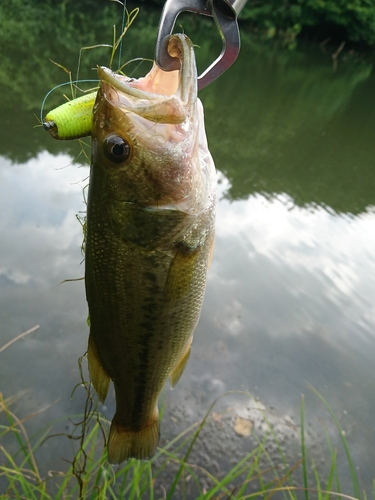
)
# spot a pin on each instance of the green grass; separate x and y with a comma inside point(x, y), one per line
point(90, 477)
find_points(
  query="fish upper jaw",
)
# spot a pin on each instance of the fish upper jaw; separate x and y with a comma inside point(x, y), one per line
point(157, 85)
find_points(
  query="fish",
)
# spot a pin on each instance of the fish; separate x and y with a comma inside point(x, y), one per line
point(149, 241)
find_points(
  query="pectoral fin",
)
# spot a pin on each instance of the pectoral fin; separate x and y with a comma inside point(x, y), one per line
point(179, 367)
point(99, 377)
point(181, 272)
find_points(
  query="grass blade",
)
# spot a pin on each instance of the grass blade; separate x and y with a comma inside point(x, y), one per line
point(303, 447)
point(355, 482)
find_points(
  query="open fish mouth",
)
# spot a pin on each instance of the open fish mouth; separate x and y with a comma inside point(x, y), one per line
point(161, 96)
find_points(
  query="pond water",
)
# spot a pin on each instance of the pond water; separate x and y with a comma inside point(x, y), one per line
point(290, 292)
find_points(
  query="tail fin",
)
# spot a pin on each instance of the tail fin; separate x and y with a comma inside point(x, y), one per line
point(124, 444)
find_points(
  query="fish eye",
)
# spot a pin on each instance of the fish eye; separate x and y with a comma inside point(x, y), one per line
point(116, 148)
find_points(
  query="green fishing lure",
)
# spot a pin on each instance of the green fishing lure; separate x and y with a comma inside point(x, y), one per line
point(71, 120)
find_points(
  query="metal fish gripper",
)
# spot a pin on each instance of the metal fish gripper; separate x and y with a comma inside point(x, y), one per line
point(224, 13)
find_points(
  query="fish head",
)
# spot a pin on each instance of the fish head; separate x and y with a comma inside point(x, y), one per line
point(148, 135)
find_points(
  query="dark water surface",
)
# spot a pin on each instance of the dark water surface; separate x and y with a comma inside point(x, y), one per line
point(290, 293)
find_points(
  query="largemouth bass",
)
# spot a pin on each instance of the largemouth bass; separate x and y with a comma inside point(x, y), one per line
point(150, 233)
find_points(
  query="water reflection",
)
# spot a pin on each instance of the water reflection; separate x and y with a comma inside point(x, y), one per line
point(41, 248)
point(40, 204)
point(317, 262)
point(284, 126)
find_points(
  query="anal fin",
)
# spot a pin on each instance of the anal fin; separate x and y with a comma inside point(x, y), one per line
point(99, 377)
point(179, 367)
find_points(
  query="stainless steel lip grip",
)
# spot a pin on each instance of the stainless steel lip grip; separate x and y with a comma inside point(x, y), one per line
point(224, 12)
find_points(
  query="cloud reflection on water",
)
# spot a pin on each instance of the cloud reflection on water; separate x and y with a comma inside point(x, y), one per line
point(40, 247)
point(315, 265)
point(39, 201)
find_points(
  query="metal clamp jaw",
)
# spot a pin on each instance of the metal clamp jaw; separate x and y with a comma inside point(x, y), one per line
point(225, 14)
